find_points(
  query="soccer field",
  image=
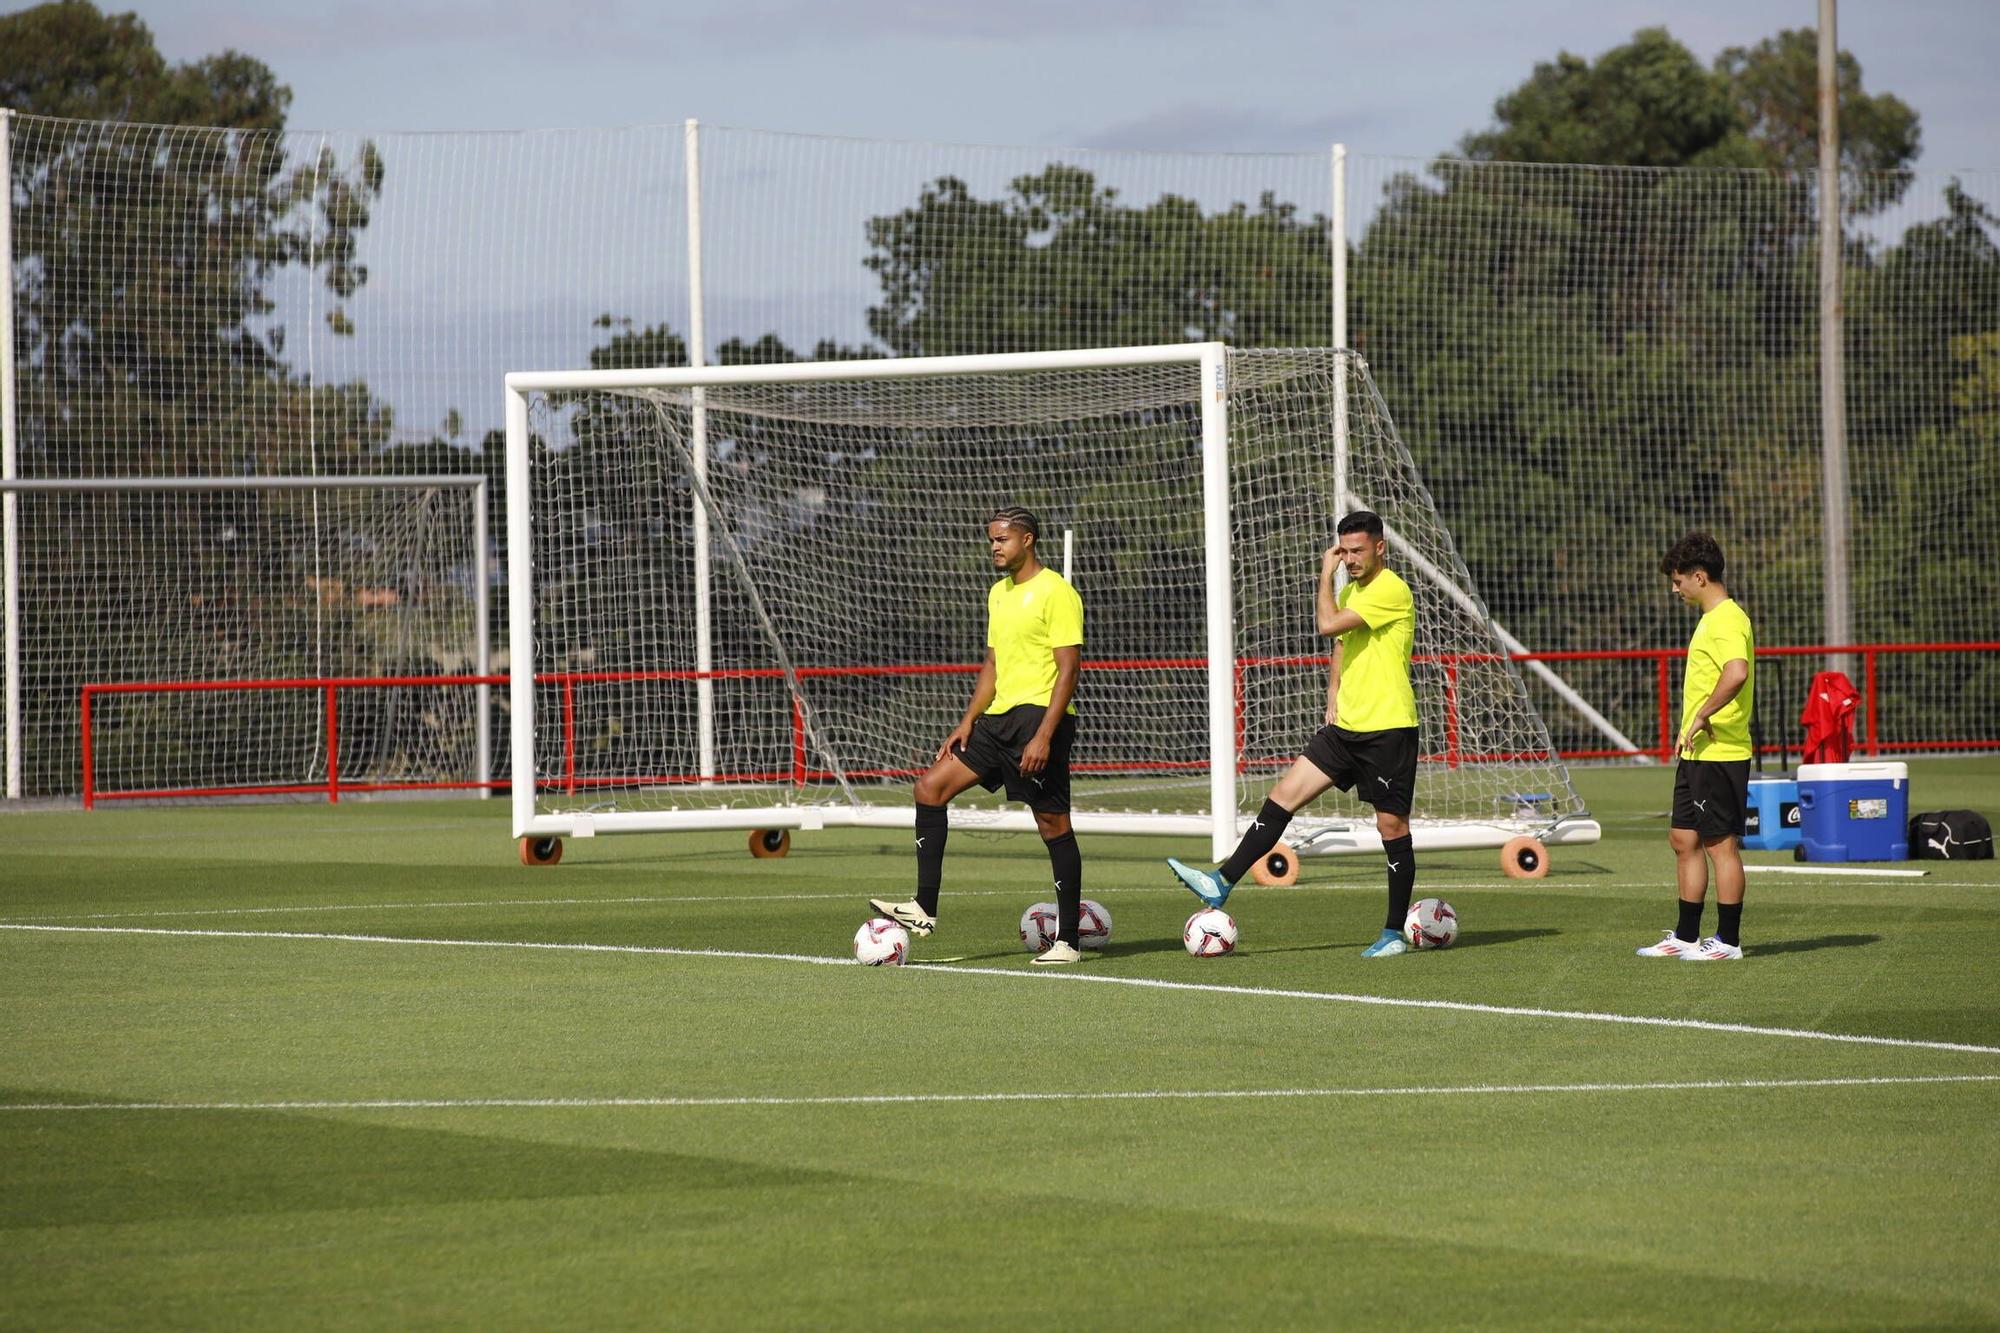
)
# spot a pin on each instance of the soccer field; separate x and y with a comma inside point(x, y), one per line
point(308, 1065)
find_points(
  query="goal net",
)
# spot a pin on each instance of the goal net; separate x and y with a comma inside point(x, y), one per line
point(216, 611)
point(755, 596)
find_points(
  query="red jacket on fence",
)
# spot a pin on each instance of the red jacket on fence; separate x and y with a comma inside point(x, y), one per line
point(1829, 718)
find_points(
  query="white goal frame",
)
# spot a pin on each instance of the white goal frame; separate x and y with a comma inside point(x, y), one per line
point(1221, 823)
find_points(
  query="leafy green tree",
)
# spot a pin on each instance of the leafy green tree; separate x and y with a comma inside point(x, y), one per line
point(1062, 262)
point(144, 257)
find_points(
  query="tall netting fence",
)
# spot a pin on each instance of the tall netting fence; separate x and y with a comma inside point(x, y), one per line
point(1584, 361)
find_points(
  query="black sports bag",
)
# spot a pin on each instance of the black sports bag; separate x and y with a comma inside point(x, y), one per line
point(1951, 835)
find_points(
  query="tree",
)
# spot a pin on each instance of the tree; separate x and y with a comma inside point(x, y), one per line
point(1648, 103)
point(1775, 88)
point(143, 256)
point(1062, 262)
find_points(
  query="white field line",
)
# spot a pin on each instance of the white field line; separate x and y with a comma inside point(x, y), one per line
point(905, 1098)
point(177, 913)
point(1148, 983)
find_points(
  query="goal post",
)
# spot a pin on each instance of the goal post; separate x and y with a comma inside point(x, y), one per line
point(843, 505)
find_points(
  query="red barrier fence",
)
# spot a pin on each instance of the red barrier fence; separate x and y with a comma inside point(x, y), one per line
point(1869, 742)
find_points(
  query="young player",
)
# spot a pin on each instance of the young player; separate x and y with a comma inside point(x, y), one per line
point(1369, 742)
point(1017, 730)
point(1712, 781)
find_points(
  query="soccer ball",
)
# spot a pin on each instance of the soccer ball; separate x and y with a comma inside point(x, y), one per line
point(1094, 926)
point(1038, 927)
point(881, 943)
point(1431, 924)
point(1209, 933)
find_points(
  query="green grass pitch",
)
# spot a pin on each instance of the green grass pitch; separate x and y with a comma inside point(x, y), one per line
point(354, 1066)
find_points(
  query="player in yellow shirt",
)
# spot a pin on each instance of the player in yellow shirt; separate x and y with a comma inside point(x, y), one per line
point(1369, 742)
point(1016, 731)
point(1712, 780)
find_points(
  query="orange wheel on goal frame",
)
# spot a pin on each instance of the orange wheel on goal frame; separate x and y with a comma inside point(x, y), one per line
point(1279, 866)
point(769, 842)
point(1524, 857)
point(541, 851)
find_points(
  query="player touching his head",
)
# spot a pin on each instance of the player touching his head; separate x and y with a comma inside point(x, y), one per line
point(1016, 731)
point(1369, 742)
point(1712, 780)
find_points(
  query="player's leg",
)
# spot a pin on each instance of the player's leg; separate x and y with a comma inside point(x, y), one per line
point(1050, 802)
point(934, 791)
point(1066, 870)
point(1389, 781)
point(1690, 869)
point(1727, 942)
point(1726, 786)
point(1302, 783)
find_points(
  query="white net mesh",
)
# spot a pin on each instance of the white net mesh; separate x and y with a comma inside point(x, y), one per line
point(173, 586)
point(849, 584)
point(1585, 361)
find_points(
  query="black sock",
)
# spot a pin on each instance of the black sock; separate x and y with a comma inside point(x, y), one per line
point(1689, 930)
point(1729, 926)
point(1066, 863)
point(933, 823)
point(1265, 830)
point(1401, 854)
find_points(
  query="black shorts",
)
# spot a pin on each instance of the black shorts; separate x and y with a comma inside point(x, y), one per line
point(994, 753)
point(1711, 795)
point(1380, 767)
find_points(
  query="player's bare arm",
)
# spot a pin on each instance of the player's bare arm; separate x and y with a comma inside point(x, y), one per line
point(982, 695)
point(1069, 661)
point(1734, 674)
point(1331, 619)
point(1333, 685)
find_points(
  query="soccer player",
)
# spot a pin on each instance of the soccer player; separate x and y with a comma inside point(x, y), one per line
point(1712, 781)
point(1369, 742)
point(1017, 730)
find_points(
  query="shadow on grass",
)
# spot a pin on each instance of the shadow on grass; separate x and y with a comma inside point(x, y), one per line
point(1816, 942)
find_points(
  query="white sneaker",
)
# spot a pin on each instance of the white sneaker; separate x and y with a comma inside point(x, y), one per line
point(1711, 950)
point(907, 915)
point(1670, 946)
point(1058, 953)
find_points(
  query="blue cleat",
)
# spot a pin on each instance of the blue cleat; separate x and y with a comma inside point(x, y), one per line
point(1203, 884)
point(1388, 946)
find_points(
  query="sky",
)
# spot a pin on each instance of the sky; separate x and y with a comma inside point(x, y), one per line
point(1391, 77)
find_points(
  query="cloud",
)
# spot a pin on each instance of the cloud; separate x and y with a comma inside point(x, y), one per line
point(281, 30)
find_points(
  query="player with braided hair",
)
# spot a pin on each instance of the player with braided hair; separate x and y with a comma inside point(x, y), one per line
point(1016, 731)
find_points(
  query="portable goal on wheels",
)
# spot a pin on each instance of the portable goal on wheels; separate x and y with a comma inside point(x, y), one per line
point(754, 596)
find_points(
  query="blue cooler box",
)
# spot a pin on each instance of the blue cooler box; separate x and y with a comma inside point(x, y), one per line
point(1771, 817)
point(1854, 812)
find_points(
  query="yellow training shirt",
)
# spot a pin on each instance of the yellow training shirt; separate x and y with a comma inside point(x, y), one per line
point(1723, 636)
point(1375, 693)
point(1025, 624)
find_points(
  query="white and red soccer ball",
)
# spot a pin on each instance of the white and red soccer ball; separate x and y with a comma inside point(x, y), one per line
point(1209, 933)
point(881, 943)
point(1093, 926)
point(1431, 924)
point(1038, 927)
point(1040, 924)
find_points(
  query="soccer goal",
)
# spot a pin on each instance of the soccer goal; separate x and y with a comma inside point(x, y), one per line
point(754, 596)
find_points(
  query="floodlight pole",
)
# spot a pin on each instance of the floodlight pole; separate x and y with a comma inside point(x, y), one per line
point(10, 514)
point(697, 345)
point(1832, 367)
point(1338, 229)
